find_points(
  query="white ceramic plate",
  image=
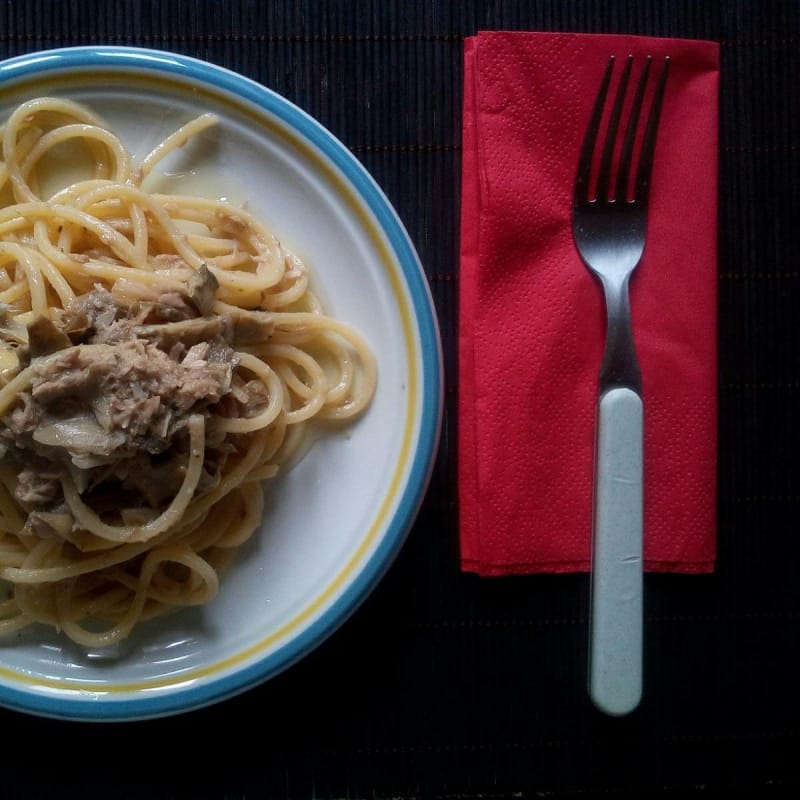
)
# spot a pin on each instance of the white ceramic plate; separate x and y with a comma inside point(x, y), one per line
point(334, 523)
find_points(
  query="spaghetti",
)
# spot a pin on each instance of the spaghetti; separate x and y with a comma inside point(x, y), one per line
point(160, 356)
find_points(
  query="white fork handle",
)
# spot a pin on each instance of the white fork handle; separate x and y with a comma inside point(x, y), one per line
point(615, 661)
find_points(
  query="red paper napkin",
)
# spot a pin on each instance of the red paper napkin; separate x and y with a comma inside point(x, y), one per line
point(532, 322)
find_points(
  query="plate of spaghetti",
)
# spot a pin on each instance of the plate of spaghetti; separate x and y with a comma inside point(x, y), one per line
point(220, 383)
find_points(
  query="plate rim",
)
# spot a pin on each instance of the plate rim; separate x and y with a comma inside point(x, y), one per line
point(173, 699)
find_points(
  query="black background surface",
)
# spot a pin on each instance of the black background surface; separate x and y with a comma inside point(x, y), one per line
point(443, 684)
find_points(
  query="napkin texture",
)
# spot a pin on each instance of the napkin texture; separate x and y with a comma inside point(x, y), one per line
point(532, 319)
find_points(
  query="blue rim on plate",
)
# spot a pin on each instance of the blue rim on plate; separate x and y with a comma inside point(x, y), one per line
point(136, 61)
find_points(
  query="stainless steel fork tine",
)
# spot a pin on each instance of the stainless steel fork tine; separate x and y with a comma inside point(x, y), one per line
point(590, 138)
point(604, 173)
point(621, 193)
point(649, 143)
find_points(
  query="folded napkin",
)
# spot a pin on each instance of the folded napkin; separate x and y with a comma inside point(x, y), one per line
point(532, 324)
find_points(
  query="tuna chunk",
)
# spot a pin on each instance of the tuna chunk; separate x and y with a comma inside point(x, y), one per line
point(116, 376)
point(150, 393)
point(36, 488)
point(99, 308)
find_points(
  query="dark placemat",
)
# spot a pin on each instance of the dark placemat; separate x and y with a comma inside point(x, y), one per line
point(442, 684)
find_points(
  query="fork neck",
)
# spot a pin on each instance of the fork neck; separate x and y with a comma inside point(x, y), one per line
point(620, 367)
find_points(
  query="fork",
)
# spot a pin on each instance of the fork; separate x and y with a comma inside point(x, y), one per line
point(609, 225)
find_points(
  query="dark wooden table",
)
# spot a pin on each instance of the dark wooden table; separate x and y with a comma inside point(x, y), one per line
point(442, 684)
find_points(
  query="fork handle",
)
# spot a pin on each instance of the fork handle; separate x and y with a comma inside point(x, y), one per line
point(615, 662)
